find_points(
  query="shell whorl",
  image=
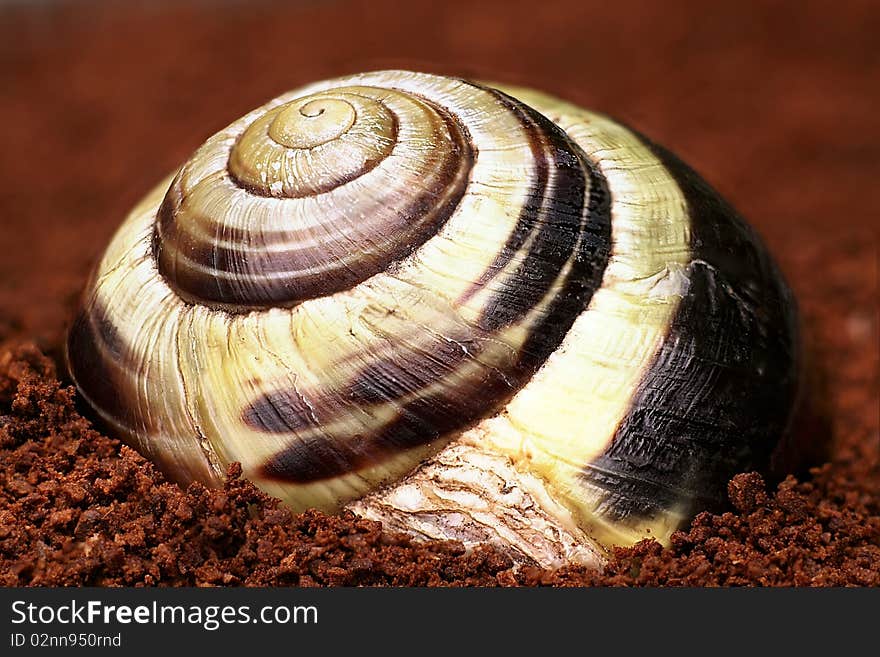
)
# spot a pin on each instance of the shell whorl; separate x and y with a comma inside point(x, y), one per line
point(286, 206)
point(345, 280)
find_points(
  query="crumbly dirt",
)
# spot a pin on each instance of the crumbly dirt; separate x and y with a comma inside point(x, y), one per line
point(773, 102)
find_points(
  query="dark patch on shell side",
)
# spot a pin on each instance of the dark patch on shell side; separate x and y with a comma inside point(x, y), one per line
point(561, 231)
point(720, 392)
point(99, 361)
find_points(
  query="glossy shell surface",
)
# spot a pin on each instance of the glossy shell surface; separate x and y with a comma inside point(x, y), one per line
point(369, 270)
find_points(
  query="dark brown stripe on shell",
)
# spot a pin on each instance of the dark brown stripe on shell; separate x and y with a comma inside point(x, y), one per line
point(422, 360)
point(100, 363)
point(318, 454)
point(560, 233)
point(718, 395)
point(357, 244)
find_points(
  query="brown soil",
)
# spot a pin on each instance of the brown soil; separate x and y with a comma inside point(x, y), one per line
point(771, 102)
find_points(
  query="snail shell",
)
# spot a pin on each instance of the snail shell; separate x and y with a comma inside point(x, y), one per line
point(472, 312)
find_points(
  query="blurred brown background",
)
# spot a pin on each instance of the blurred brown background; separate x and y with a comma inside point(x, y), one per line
point(774, 102)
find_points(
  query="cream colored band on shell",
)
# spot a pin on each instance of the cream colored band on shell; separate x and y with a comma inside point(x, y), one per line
point(610, 346)
point(197, 368)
